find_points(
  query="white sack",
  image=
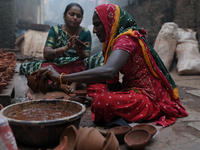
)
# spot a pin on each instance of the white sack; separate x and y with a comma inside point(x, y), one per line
point(34, 42)
point(166, 41)
point(187, 52)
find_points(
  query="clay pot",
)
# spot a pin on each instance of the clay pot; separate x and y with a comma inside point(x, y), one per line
point(9, 54)
point(10, 72)
point(71, 133)
point(43, 86)
point(137, 139)
point(73, 97)
point(1, 106)
point(3, 68)
point(79, 43)
point(81, 93)
point(32, 82)
point(150, 128)
point(2, 86)
point(120, 132)
point(6, 77)
point(63, 145)
point(111, 142)
point(82, 137)
point(94, 140)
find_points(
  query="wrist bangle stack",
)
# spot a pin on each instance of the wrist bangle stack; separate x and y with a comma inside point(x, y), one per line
point(55, 52)
point(61, 80)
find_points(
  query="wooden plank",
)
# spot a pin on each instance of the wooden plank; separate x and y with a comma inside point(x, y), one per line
point(7, 94)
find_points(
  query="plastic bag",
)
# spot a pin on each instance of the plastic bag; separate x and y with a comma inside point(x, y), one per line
point(20, 87)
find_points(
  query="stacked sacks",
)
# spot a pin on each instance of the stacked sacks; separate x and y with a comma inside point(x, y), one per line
point(7, 68)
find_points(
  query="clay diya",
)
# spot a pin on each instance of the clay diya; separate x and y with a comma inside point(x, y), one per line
point(111, 142)
point(3, 68)
point(137, 139)
point(150, 128)
point(1, 106)
point(71, 133)
point(73, 97)
point(2, 86)
point(79, 43)
point(81, 93)
point(120, 132)
point(43, 85)
point(32, 82)
point(63, 145)
point(94, 140)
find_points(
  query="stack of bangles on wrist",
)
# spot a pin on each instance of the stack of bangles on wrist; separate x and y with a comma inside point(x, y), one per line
point(55, 52)
point(61, 80)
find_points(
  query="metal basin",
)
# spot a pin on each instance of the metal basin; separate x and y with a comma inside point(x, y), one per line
point(47, 132)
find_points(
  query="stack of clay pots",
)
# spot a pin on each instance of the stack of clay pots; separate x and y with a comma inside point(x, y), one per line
point(7, 68)
point(86, 139)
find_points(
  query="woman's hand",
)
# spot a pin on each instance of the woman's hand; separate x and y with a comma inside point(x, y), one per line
point(80, 51)
point(47, 72)
point(70, 43)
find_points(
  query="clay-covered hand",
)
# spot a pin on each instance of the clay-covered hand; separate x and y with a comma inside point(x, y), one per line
point(47, 72)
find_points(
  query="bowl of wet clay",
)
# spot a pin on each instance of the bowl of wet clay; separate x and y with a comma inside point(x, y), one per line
point(137, 139)
point(40, 123)
point(79, 43)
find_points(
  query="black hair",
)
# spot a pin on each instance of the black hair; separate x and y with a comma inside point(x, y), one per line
point(71, 5)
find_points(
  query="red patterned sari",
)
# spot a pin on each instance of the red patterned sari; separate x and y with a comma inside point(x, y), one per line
point(149, 92)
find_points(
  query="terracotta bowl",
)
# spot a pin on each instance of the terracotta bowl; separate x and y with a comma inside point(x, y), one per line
point(111, 142)
point(79, 43)
point(94, 141)
point(150, 128)
point(81, 92)
point(46, 132)
point(3, 68)
point(73, 97)
point(137, 139)
point(120, 132)
point(2, 86)
point(32, 82)
point(71, 133)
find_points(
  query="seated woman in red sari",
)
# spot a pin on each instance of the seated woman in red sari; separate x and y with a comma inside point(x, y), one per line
point(147, 91)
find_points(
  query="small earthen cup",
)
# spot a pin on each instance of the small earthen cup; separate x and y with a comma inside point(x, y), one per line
point(71, 133)
point(150, 128)
point(94, 141)
point(82, 137)
point(137, 139)
point(33, 83)
point(120, 132)
point(111, 142)
point(43, 85)
point(79, 43)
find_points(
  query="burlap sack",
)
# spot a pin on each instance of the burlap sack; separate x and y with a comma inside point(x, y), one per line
point(187, 52)
point(166, 41)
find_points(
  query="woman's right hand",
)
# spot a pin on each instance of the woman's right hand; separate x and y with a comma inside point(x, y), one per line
point(70, 43)
point(47, 72)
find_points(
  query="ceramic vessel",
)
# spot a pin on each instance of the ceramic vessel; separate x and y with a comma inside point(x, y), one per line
point(111, 142)
point(3, 68)
point(71, 133)
point(137, 139)
point(73, 97)
point(94, 141)
point(63, 145)
point(81, 93)
point(32, 82)
point(150, 128)
point(43, 85)
point(2, 86)
point(79, 43)
point(120, 132)
point(47, 132)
